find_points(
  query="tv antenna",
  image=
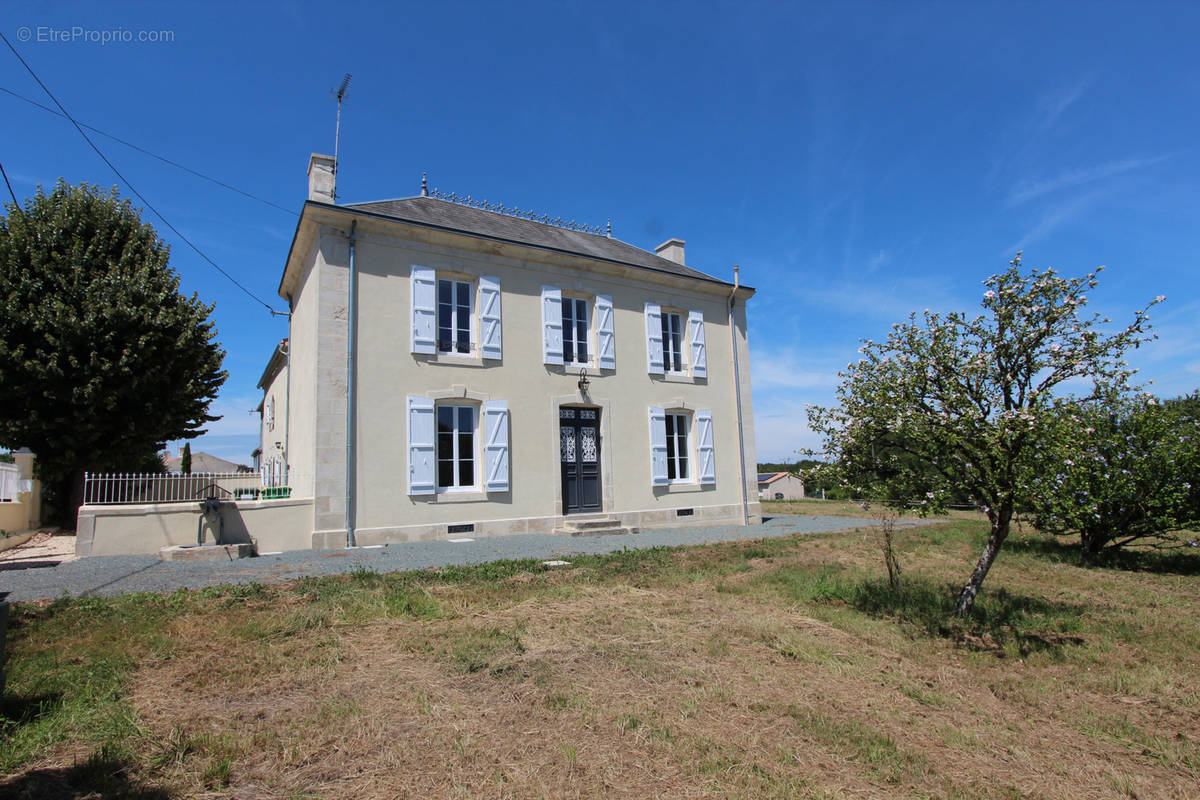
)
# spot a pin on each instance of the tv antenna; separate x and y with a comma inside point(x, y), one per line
point(337, 133)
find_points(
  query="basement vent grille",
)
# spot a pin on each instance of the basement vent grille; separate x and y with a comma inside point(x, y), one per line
point(467, 528)
point(684, 512)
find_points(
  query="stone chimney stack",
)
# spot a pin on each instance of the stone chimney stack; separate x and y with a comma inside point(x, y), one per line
point(320, 178)
point(672, 250)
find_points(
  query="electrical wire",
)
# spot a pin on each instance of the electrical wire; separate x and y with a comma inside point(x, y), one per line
point(163, 159)
point(9, 185)
point(129, 185)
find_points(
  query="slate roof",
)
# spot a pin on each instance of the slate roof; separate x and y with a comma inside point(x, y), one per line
point(493, 225)
point(204, 462)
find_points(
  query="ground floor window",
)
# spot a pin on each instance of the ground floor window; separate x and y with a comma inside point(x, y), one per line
point(456, 426)
point(677, 447)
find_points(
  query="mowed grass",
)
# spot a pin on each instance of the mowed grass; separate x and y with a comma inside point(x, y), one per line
point(777, 668)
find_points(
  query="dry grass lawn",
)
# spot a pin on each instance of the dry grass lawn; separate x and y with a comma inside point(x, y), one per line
point(782, 668)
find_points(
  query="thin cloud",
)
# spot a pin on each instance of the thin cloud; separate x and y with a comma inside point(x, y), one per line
point(1054, 219)
point(1049, 108)
point(1031, 190)
point(781, 431)
point(784, 369)
point(1055, 104)
point(892, 302)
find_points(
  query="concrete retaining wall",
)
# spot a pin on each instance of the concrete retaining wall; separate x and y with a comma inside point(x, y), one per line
point(143, 529)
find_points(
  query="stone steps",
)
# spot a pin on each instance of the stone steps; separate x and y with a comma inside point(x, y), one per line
point(207, 552)
point(593, 526)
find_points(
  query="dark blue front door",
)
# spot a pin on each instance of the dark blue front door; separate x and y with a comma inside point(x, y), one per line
point(579, 453)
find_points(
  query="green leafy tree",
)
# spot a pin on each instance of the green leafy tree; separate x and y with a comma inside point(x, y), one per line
point(1121, 471)
point(951, 406)
point(102, 360)
point(185, 460)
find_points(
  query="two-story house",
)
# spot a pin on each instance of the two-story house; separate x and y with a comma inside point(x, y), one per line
point(457, 370)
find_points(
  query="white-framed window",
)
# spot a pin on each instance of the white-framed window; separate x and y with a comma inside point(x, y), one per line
point(668, 338)
point(455, 315)
point(456, 306)
point(677, 426)
point(269, 413)
point(457, 454)
point(451, 444)
point(672, 338)
point(576, 331)
point(681, 447)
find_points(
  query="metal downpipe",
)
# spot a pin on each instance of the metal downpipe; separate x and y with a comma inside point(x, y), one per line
point(737, 397)
point(351, 341)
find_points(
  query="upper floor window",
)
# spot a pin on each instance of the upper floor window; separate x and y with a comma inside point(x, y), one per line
point(454, 316)
point(672, 337)
point(575, 330)
point(567, 329)
point(669, 334)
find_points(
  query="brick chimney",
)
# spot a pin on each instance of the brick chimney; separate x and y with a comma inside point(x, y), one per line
point(672, 250)
point(320, 178)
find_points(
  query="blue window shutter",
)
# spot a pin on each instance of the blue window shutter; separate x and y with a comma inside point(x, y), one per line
point(552, 346)
point(654, 340)
point(658, 447)
point(489, 317)
point(422, 447)
point(696, 337)
point(495, 431)
point(704, 447)
point(606, 340)
point(423, 289)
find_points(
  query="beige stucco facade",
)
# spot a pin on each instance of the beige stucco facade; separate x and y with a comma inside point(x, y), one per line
point(271, 457)
point(386, 373)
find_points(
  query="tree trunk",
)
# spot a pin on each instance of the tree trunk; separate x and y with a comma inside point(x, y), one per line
point(74, 501)
point(1091, 544)
point(996, 537)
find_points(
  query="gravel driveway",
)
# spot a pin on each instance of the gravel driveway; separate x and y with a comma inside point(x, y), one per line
point(110, 575)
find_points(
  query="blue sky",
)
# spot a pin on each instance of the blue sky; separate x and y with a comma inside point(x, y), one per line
point(858, 160)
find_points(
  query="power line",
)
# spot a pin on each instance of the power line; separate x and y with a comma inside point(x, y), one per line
point(125, 180)
point(9, 185)
point(143, 150)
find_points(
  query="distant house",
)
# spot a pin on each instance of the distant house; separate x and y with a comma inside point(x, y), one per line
point(780, 486)
point(205, 462)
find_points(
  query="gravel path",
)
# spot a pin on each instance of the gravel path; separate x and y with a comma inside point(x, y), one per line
point(111, 575)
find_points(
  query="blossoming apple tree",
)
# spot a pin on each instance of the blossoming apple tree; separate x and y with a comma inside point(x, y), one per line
point(951, 406)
